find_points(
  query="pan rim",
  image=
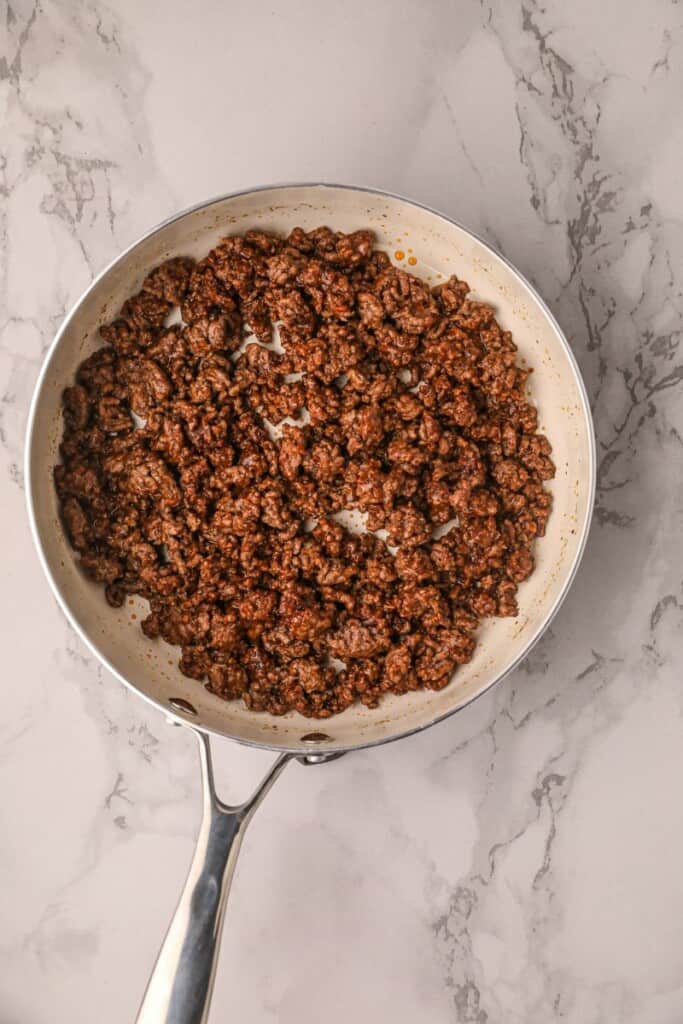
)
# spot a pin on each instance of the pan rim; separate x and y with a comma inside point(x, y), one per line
point(168, 711)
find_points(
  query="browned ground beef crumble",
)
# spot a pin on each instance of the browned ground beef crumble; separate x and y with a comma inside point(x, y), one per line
point(410, 408)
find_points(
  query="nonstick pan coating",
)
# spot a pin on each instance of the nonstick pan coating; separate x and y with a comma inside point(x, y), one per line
point(441, 247)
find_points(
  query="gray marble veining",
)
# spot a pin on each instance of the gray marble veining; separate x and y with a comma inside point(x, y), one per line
point(520, 862)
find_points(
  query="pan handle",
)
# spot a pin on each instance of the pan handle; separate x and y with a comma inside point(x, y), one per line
point(179, 991)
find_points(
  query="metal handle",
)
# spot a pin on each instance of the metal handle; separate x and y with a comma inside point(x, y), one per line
point(179, 991)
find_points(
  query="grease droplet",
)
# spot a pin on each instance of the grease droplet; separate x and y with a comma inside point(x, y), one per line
point(412, 261)
point(399, 254)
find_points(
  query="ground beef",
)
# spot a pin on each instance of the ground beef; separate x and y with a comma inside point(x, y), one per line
point(180, 482)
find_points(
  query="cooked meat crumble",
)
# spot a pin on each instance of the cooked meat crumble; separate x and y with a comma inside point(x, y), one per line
point(204, 467)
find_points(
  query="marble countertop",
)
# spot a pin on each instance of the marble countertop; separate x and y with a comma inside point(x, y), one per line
point(522, 861)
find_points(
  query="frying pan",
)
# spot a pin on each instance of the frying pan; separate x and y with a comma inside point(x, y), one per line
point(434, 247)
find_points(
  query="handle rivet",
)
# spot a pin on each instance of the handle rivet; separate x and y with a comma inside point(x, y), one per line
point(179, 704)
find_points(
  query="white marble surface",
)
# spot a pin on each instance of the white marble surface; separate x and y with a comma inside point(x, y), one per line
point(521, 862)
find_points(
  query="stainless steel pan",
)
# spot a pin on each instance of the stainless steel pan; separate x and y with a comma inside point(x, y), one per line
point(180, 987)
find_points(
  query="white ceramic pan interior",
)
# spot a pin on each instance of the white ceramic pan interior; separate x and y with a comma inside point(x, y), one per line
point(440, 248)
